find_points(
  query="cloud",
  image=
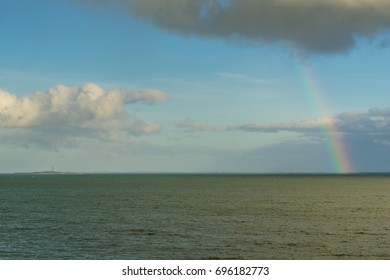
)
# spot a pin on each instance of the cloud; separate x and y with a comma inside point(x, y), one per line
point(191, 126)
point(149, 96)
point(312, 125)
point(62, 115)
point(373, 122)
point(319, 26)
point(365, 136)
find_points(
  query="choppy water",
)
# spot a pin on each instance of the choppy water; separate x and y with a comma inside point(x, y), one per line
point(194, 217)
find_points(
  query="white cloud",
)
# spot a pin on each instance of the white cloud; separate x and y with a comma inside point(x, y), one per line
point(64, 114)
point(313, 25)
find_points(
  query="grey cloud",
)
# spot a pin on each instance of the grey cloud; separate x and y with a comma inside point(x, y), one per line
point(191, 126)
point(374, 121)
point(365, 136)
point(321, 26)
point(149, 96)
point(62, 115)
point(304, 126)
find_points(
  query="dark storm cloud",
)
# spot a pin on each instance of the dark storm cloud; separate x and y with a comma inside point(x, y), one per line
point(319, 26)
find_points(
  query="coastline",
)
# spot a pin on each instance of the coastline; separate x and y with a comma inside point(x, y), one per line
point(53, 172)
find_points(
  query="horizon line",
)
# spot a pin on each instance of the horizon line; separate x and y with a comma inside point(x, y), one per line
point(190, 173)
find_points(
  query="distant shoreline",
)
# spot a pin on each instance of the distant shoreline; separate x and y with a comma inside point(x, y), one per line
point(47, 173)
point(53, 172)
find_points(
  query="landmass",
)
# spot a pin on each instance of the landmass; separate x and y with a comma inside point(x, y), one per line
point(54, 172)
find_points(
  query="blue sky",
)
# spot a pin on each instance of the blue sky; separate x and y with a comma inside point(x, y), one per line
point(194, 86)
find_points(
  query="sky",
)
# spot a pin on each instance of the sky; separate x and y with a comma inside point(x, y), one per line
point(252, 86)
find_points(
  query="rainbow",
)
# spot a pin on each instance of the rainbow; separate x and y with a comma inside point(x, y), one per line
point(337, 150)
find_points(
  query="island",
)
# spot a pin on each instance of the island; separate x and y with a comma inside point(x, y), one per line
point(54, 172)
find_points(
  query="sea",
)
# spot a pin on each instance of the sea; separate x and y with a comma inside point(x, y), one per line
point(194, 216)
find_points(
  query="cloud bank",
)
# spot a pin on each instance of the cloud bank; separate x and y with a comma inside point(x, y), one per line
point(319, 26)
point(190, 126)
point(366, 135)
point(62, 115)
point(372, 122)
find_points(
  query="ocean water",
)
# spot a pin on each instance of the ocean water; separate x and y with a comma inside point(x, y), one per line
point(194, 216)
